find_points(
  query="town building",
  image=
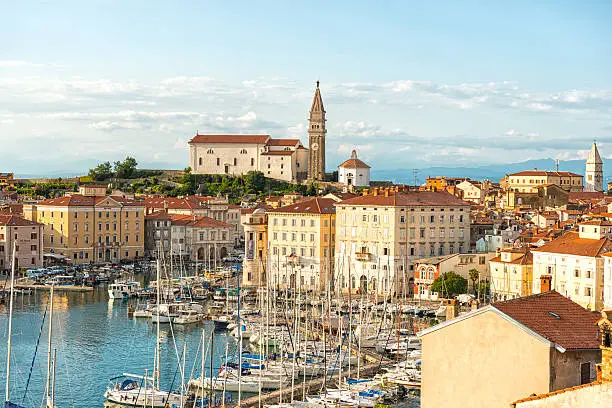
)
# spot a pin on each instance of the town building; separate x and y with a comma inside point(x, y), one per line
point(200, 239)
point(573, 264)
point(218, 208)
point(471, 191)
point(354, 172)
point(301, 240)
point(91, 228)
point(158, 230)
point(597, 393)
point(26, 235)
point(7, 180)
point(497, 354)
point(382, 231)
point(255, 223)
point(426, 270)
point(511, 273)
point(528, 181)
point(594, 171)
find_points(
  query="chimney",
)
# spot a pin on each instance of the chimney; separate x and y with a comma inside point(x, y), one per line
point(366, 191)
point(545, 281)
point(375, 191)
point(386, 192)
point(452, 309)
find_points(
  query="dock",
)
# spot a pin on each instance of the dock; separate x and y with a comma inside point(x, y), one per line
point(58, 288)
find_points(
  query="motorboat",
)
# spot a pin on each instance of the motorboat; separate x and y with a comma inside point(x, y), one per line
point(123, 290)
point(188, 317)
point(139, 391)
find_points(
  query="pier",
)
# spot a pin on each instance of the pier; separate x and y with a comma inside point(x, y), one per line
point(58, 288)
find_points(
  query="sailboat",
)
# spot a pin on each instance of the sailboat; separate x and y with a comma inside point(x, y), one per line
point(7, 399)
point(137, 390)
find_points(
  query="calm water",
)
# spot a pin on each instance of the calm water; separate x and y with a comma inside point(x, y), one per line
point(95, 341)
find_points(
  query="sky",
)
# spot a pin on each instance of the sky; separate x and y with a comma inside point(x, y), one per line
point(409, 84)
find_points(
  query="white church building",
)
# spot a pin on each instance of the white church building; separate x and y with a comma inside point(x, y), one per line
point(354, 172)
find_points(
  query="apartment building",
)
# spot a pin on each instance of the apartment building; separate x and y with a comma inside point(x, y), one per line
point(573, 264)
point(381, 232)
point(26, 235)
point(511, 273)
point(201, 239)
point(301, 244)
point(91, 228)
point(528, 181)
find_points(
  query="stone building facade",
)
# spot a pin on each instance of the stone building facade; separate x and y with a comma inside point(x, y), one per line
point(26, 235)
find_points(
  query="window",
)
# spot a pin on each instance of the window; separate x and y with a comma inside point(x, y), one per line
point(312, 223)
point(422, 233)
point(432, 218)
point(235, 161)
point(577, 273)
point(218, 161)
point(252, 162)
point(588, 291)
point(200, 161)
point(402, 218)
point(312, 237)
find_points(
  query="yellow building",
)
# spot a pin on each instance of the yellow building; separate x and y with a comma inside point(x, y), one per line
point(255, 224)
point(301, 240)
point(511, 274)
point(91, 228)
point(528, 181)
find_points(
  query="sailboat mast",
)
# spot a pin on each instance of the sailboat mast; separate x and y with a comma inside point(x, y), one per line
point(49, 359)
point(10, 329)
point(156, 374)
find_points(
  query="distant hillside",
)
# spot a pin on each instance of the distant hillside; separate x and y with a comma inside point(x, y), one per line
point(492, 172)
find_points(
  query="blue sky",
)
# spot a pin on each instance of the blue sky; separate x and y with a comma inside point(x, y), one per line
point(410, 84)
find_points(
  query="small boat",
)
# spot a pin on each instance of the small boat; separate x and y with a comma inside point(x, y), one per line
point(188, 317)
point(142, 393)
point(123, 290)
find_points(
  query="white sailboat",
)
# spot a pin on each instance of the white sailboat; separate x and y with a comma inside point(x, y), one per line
point(136, 390)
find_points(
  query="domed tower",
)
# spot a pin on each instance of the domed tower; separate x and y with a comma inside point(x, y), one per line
point(255, 248)
point(594, 171)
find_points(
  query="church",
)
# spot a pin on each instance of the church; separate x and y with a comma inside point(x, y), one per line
point(281, 159)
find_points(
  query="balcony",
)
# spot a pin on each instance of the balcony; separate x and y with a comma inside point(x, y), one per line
point(362, 256)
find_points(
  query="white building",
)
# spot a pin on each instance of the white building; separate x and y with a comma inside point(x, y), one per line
point(380, 233)
point(471, 191)
point(282, 159)
point(354, 172)
point(573, 264)
point(593, 176)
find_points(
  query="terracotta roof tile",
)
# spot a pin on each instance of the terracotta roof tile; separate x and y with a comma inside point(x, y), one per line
point(545, 173)
point(316, 205)
point(237, 139)
point(15, 220)
point(572, 244)
point(553, 393)
point(283, 142)
point(408, 198)
point(354, 164)
point(279, 153)
point(555, 318)
point(196, 221)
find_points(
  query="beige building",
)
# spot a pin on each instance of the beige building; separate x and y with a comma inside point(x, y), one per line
point(26, 235)
point(573, 264)
point(589, 394)
point(301, 244)
point(495, 355)
point(528, 181)
point(381, 232)
point(471, 191)
point(511, 274)
point(91, 228)
point(255, 224)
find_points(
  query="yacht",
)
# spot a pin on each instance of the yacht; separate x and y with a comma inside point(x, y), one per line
point(123, 290)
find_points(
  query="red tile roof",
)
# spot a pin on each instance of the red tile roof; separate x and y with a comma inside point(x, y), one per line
point(78, 200)
point(408, 198)
point(526, 259)
point(283, 142)
point(584, 195)
point(15, 220)
point(316, 205)
point(572, 244)
point(354, 164)
point(185, 203)
point(237, 139)
point(197, 221)
point(555, 318)
point(545, 173)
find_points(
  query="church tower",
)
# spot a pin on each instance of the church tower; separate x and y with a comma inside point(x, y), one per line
point(316, 139)
point(594, 171)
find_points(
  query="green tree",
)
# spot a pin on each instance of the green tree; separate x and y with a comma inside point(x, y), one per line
point(312, 190)
point(449, 284)
point(474, 275)
point(254, 182)
point(101, 172)
point(126, 168)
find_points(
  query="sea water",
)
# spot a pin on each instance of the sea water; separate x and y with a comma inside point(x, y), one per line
point(95, 341)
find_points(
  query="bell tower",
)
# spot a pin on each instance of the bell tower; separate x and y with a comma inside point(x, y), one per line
point(316, 138)
point(594, 170)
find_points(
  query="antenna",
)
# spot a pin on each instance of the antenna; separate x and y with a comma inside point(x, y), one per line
point(415, 173)
point(557, 164)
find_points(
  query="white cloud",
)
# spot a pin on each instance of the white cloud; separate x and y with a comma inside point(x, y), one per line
point(17, 64)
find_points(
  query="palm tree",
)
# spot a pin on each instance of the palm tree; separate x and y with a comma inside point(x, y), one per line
point(474, 274)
